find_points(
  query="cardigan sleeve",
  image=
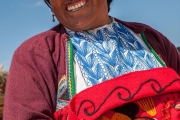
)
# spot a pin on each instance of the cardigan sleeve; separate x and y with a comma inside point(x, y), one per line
point(31, 85)
point(172, 56)
point(164, 48)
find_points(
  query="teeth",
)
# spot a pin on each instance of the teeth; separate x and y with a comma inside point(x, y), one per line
point(82, 4)
point(79, 5)
point(75, 7)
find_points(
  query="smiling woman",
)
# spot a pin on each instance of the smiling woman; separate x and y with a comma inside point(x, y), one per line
point(92, 66)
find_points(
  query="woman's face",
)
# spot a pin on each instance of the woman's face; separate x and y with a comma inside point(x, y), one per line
point(79, 15)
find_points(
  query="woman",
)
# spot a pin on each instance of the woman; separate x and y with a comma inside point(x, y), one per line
point(88, 47)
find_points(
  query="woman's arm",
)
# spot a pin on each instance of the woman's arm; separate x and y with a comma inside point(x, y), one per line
point(31, 84)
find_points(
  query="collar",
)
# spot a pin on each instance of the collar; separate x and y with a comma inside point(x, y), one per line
point(134, 26)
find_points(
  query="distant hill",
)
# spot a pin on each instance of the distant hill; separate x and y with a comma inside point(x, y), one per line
point(178, 49)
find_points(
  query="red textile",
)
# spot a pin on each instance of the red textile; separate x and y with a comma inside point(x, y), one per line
point(158, 84)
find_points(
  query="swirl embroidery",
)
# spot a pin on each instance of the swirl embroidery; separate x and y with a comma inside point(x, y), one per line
point(155, 85)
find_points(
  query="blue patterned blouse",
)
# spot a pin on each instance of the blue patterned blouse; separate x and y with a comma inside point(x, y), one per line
point(108, 52)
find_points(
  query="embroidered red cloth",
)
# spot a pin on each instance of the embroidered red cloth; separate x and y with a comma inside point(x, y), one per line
point(149, 94)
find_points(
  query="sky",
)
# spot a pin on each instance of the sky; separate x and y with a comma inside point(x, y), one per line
point(22, 19)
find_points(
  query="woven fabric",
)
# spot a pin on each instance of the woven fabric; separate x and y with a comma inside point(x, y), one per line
point(161, 85)
point(109, 51)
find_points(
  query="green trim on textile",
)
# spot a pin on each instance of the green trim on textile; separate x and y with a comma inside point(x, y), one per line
point(152, 50)
point(71, 69)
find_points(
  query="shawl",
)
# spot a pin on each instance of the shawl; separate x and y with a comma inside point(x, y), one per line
point(148, 94)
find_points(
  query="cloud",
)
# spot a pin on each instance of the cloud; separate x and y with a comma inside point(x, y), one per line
point(23, 4)
point(39, 3)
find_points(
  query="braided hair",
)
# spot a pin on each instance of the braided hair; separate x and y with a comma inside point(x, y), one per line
point(108, 2)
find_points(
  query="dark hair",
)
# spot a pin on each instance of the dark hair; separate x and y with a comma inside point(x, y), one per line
point(108, 2)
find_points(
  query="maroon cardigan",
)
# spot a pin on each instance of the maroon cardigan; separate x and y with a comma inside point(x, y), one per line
point(39, 63)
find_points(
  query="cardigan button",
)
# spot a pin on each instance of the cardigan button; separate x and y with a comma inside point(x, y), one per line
point(177, 107)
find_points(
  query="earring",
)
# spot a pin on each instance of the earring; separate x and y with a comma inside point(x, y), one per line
point(53, 17)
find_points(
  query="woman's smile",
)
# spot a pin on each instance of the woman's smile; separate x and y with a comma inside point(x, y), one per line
point(73, 7)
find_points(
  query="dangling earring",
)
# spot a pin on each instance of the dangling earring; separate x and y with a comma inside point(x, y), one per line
point(53, 17)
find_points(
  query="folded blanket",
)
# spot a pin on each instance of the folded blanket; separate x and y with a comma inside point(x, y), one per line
point(141, 95)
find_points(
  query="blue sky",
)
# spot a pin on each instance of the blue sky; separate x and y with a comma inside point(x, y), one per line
point(22, 19)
